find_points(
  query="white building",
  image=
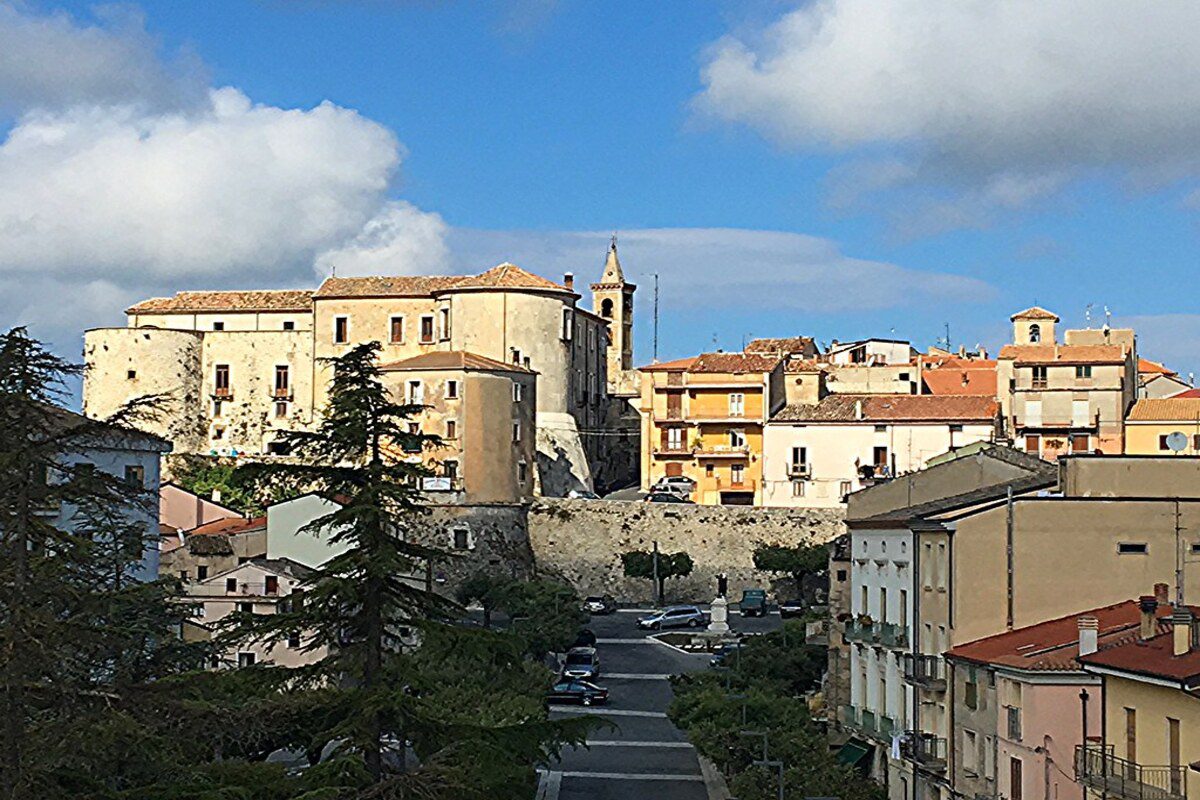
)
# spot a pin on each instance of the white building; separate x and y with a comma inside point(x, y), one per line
point(871, 352)
point(816, 454)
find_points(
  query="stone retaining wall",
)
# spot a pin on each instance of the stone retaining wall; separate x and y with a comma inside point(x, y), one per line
point(582, 540)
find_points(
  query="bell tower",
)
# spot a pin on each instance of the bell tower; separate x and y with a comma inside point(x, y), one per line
point(612, 299)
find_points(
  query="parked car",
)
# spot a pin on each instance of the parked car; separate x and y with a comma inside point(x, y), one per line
point(582, 494)
point(674, 484)
point(665, 497)
point(791, 608)
point(585, 638)
point(577, 691)
point(753, 603)
point(582, 662)
point(673, 617)
point(600, 604)
point(723, 652)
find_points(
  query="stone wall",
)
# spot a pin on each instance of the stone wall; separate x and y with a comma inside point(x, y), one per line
point(582, 540)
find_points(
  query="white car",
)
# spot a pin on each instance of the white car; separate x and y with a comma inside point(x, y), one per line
point(674, 484)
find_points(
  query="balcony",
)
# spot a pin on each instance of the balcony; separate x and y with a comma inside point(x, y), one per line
point(924, 750)
point(927, 672)
point(863, 632)
point(282, 393)
point(817, 633)
point(672, 450)
point(799, 471)
point(1097, 768)
point(893, 635)
point(722, 451)
point(871, 724)
point(223, 393)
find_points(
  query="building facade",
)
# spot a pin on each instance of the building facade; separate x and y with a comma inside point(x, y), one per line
point(1163, 426)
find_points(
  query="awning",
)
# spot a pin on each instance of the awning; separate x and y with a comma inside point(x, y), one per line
point(852, 752)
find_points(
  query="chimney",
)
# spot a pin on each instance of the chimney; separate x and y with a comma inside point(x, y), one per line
point(1089, 633)
point(569, 281)
point(216, 495)
point(1181, 631)
point(858, 414)
point(1148, 605)
point(1161, 594)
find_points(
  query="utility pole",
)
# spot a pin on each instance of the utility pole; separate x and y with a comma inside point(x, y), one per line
point(657, 585)
point(655, 318)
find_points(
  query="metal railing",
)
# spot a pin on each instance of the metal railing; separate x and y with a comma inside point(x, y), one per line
point(924, 749)
point(893, 635)
point(926, 671)
point(861, 632)
point(1099, 769)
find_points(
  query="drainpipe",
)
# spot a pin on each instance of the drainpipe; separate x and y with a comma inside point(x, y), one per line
point(1008, 537)
point(1083, 713)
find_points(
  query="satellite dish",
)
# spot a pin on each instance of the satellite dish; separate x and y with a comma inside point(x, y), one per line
point(1177, 441)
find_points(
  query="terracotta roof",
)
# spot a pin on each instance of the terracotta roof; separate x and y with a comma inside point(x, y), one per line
point(893, 408)
point(1146, 366)
point(453, 359)
point(678, 365)
point(794, 345)
point(191, 302)
point(1034, 312)
point(1177, 408)
point(734, 363)
point(1054, 645)
point(796, 365)
point(1154, 657)
point(509, 276)
point(387, 286)
point(228, 526)
point(958, 377)
point(1186, 393)
point(1063, 353)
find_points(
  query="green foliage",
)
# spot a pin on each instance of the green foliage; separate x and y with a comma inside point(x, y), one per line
point(771, 672)
point(795, 562)
point(641, 564)
point(544, 614)
point(203, 474)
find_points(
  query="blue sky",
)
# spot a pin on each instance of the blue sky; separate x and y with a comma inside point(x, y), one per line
point(787, 168)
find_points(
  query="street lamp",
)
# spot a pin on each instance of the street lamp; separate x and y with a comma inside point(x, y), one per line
point(757, 733)
point(778, 765)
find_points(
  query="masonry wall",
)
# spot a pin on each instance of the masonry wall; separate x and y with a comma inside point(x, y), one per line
point(582, 540)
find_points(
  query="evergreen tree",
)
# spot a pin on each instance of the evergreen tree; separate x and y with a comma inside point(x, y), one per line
point(358, 607)
point(656, 565)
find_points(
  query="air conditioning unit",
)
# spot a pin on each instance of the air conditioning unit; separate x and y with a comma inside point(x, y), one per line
point(800, 470)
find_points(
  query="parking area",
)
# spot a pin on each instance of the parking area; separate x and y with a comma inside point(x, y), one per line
point(642, 754)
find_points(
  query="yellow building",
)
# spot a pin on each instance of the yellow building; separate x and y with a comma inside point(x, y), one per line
point(1149, 737)
point(1150, 423)
point(703, 418)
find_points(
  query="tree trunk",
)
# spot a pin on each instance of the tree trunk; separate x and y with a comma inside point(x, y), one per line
point(661, 592)
point(14, 681)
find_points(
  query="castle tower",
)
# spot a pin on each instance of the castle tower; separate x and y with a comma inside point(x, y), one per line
point(612, 299)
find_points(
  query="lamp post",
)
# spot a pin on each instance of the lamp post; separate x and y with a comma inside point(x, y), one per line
point(757, 733)
point(777, 765)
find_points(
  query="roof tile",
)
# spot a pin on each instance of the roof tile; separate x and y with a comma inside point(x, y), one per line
point(258, 300)
point(893, 408)
point(453, 359)
point(1023, 354)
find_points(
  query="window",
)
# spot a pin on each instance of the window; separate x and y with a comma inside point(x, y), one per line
point(416, 393)
point(131, 374)
point(883, 604)
point(1015, 780)
point(522, 472)
point(444, 323)
point(288, 325)
point(281, 409)
point(606, 309)
point(737, 404)
point(1033, 444)
point(797, 488)
point(221, 380)
point(279, 448)
point(396, 330)
point(1083, 371)
point(956, 428)
point(218, 326)
point(293, 640)
point(525, 363)
point(1173, 756)
point(216, 408)
point(971, 691)
point(231, 584)
point(1013, 716)
point(709, 470)
point(461, 539)
point(341, 330)
point(1039, 378)
point(518, 391)
point(271, 584)
point(183, 574)
point(1132, 548)
point(989, 757)
point(1080, 442)
point(451, 390)
point(737, 439)
point(843, 489)
point(451, 429)
point(970, 751)
point(1131, 734)
point(841, 575)
point(218, 433)
point(879, 457)
point(881, 428)
point(246, 608)
point(1162, 442)
point(450, 470)
point(674, 438)
point(426, 329)
point(737, 474)
point(1035, 333)
point(135, 475)
point(201, 572)
point(568, 324)
point(941, 567)
point(904, 608)
point(799, 458)
point(516, 356)
point(516, 432)
point(246, 659)
point(198, 610)
point(282, 383)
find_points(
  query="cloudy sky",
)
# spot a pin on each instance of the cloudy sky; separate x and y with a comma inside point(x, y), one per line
point(837, 168)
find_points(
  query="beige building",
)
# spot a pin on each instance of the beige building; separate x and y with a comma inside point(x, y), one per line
point(243, 366)
point(1163, 426)
point(213, 547)
point(484, 453)
point(703, 418)
point(1070, 397)
point(815, 454)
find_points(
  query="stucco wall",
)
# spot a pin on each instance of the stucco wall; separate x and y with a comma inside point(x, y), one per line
point(582, 541)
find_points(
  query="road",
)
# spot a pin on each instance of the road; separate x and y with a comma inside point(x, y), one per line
point(643, 755)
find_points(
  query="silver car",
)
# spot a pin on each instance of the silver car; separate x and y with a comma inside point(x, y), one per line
point(582, 662)
point(673, 617)
point(679, 485)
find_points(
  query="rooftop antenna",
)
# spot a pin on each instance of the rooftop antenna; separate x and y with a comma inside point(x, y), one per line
point(655, 308)
point(1107, 317)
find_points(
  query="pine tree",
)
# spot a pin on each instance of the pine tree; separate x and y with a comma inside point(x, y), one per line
point(357, 607)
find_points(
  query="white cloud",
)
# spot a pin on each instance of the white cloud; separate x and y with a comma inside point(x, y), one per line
point(725, 267)
point(400, 240)
point(999, 100)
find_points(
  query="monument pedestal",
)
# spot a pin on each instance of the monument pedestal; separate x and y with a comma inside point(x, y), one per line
point(719, 622)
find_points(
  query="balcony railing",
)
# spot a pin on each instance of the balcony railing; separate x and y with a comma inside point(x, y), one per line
point(871, 724)
point(892, 634)
point(711, 450)
point(1097, 768)
point(858, 631)
point(924, 749)
point(928, 672)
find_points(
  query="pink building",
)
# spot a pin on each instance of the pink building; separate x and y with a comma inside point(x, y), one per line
point(182, 510)
point(1020, 700)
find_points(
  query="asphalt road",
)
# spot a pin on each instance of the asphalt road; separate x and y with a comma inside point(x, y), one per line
point(643, 754)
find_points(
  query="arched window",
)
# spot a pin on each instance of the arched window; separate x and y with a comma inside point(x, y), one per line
point(606, 309)
point(1035, 333)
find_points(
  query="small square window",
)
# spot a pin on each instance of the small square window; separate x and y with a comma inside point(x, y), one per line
point(1132, 548)
point(131, 374)
point(201, 572)
point(246, 608)
point(293, 640)
point(341, 330)
point(289, 325)
point(451, 429)
point(281, 409)
point(451, 389)
point(135, 475)
point(516, 430)
point(461, 539)
point(522, 472)
point(1195, 547)
point(246, 659)
point(518, 392)
point(218, 326)
point(231, 584)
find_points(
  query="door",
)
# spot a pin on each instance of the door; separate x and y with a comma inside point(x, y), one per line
point(1014, 779)
point(1173, 755)
point(1131, 741)
point(674, 469)
point(674, 405)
